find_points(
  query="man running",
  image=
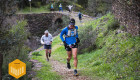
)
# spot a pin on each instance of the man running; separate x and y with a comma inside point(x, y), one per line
point(70, 7)
point(71, 43)
point(52, 8)
point(60, 7)
point(80, 16)
point(46, 40)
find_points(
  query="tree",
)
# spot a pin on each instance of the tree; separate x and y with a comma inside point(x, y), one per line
point(83, 3)
point(96, 7)
point(6, 9)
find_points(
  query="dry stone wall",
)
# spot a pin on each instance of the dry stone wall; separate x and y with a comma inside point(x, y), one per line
point(128, 13)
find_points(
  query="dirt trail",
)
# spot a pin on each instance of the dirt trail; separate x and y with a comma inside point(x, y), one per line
point(74, 15)
point(67, 74)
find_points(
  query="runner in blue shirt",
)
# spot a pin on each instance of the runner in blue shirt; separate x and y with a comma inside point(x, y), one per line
point(52, 8)
point(80, 16)
point(71, 41)
point(60, 7)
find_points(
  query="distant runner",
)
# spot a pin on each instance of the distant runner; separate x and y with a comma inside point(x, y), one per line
point(60, 7)
point(70, 8)
point(52, 8)
point(71, 41)
point(46, 40)
point(80, 16)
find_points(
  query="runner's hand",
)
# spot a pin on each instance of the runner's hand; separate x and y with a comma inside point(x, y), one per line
point(65, 44)
point(43, 43)
point(50, 42)
point(78, 40)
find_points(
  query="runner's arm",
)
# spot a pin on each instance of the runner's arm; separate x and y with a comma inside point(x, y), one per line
point(42, 42)
point(61, 35)
point(51, 37)
point(77, 38)
point(77, 33)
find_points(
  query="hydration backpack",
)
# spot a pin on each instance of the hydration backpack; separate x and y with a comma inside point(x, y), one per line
point(70, 32)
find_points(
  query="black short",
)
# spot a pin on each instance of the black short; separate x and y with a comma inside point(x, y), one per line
point(80, 18)
point(69, 49)
point(47, 46)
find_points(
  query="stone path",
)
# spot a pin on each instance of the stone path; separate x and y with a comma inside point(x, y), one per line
point(67, 74)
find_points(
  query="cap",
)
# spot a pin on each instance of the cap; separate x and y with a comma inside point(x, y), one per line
point(72, 21)
point(46, 31)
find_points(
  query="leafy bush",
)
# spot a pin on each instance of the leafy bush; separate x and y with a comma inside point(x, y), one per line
point(113, 24)
point(87, 37)
point(16, 49)
point(36, 4)
point(36, 54)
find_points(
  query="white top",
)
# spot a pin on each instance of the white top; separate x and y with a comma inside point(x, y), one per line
point(46, 40)
point(70, 7)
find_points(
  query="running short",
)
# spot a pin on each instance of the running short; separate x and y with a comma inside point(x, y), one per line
point(80, 18)
point(47, 46)
point(69, 49)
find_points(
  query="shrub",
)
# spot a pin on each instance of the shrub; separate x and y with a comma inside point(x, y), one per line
point(14, 41)
point(87, 37)
point(36, 54)
point(113, 24)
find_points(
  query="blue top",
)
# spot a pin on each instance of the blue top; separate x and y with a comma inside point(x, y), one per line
point(80, 14)
point(72, 38)
point(52, 6)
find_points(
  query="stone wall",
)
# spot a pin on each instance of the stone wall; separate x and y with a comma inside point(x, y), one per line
point(128, 13)
point(38, 23)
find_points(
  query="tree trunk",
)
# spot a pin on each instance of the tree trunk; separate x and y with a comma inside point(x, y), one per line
point(1, 61)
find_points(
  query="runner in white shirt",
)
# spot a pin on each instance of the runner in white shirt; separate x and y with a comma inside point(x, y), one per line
point(46, 40)
point(70, 7)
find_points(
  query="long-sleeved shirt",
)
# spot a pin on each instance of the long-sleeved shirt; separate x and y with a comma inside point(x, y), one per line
point(46, 39)
point(72, 38)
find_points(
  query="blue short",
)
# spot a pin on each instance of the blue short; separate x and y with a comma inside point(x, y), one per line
point(47, 47)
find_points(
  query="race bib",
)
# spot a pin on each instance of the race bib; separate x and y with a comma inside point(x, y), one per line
point(72, 33)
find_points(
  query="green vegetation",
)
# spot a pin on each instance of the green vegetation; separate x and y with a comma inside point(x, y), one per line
point(42, 9)
point(108, 54)
point(45, 73)
point(36, 54)
point(46, 8)
point(15, 48)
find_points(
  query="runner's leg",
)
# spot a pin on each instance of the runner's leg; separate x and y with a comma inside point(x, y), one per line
point(69, 56)
point(47, 53)
point(68, 59)
point(74, 52)
point(59, 9)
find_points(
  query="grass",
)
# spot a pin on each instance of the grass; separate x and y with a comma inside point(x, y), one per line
point(45, 73)
point(42, 9)
point(116, 55)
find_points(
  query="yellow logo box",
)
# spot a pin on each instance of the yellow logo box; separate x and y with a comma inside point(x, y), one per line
point(17, 68)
